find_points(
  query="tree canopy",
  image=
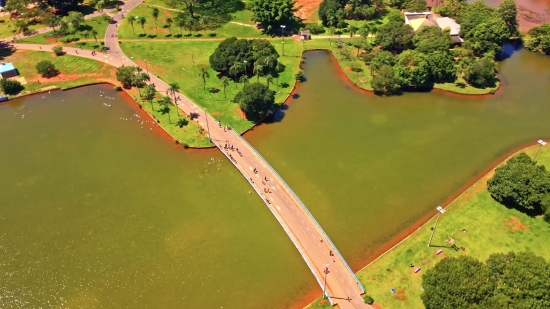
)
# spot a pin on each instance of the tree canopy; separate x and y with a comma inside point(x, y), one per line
point(385, 81)
point(231, 54)
point(431, 39)
point(46, 68)
point(256, 100)
point(271, 14)
point(481, 72)
point(416, 5)
point(520, 182)
point(508, 12)
point(513, 280)
point(442, 66)
point(412, 69)
point(395, 36)
point(539, 39)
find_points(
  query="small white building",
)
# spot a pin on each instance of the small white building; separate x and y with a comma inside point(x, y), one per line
point(426, 19)
point(7, 70)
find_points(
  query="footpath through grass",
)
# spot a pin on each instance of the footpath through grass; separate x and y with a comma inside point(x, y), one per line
point(74, 71)
point(490, 227)
point(173, 62)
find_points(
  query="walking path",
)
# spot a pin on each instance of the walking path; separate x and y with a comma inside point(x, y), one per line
point(320, 254)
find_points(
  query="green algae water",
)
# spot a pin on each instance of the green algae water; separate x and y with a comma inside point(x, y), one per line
point(369, 167)
point(98, 212)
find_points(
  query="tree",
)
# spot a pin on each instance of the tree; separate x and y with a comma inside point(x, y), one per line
point(379, 59)
point(489, 36)
point(58, 50)
point(124, 74)
point(385, 82)
point(76, 19)
point(100, 5)
point(165, 101)
point(451, 7)
point(181, 22)
point(155, 14)
point(173, 89)
point(508, 12)
point(539, 39)
point(149, 94)
point(328, 10)
point(64, 6)
point(10, 86)
point(63, 27)
point(273, 13)
point(457, 283)
point(232, 51)
point(244, 79)
point(441, 65)
point(142, 21)
point(46, 68)
point(94, 33)
point(257, 70)
point(412, 69)
point(203, 73)
point(256, 101)
point(131, 20)
point(86, 34)
point(430, 39)
point(268, 80)
point(54, 21)
point(520, 182)
point(169, 22)
point(395, 36)
point(416, 5)
point(190, 5)
point(481, 73)
point(225, 82)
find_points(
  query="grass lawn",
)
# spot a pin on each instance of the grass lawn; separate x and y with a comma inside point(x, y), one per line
point(221, 30)
point(172, 62)
point(8, 28)
point(74, 71)
point(97, 23)
point(490, 227)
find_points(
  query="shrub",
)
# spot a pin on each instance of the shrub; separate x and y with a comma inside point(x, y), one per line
point(46, 68)
point(58, 50)
point(315, 28)
point(182, 122)
point(368, 299)
point(10, 87)
point(356, 67)
point(299, 76)
point(117, 88)
point(256, 100)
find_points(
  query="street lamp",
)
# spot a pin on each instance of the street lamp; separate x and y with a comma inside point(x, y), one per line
point(245, 67)
point(541, 143)
point(207, 127)
point(440, 211)
point(325, 288)
point(283, 35)
point(147, 68)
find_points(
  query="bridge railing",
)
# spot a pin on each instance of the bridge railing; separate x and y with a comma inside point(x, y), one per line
point(294, 241)
point(301, 203)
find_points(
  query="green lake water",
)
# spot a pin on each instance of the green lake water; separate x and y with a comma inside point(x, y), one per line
point(368, 167)
point(97, 212)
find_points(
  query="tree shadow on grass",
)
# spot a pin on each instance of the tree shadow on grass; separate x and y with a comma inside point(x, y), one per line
point(6, 49)
point(220, 12)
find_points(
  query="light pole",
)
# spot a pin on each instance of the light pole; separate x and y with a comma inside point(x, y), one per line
point(147, 68)
point(245, 67)
point(325, 287)
point(541, 143)
point(207, 127)
point(283, 35)
point(441, 211)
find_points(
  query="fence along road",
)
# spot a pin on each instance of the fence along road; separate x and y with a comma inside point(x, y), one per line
point(325, 262)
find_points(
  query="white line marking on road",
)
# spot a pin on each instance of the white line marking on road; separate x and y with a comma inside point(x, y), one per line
point(278, 208)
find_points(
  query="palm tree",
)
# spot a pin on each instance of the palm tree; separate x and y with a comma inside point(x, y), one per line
point(181, 22)
point(202, 22)
point(244, 79)
point(279, 68)
point(142, 21)
point(54, 21)
point(258, 68)
point(86, 34)
point(269, 80)
point(149, 94)
point(352, 30)
point(169, 22)
point(173, 89)
point(225, 82)
point(166, 102)
point(131, 20)
point(204, 75)
point(100, 5)
point(155, 14)
point(236, 69)
point(63, 27)
point(94, 33)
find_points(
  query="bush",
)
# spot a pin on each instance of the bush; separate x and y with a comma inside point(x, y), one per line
point(315, 28)
point(10, 87)
point(299, 76)
point(46, 68)
point(117, 88)
point(182, 122)
point(58, 50)
point(69, 39)
point(356, 67)
point(368, 299)
point(256, 100)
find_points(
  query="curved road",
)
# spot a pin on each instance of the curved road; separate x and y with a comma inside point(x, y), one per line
point(317, 250)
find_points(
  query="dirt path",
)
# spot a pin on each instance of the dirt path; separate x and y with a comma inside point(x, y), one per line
point(306, 8)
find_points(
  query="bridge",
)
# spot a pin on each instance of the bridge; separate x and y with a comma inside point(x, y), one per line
point(337, 280)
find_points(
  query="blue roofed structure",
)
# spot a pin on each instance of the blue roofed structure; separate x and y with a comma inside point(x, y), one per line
point(7, 70)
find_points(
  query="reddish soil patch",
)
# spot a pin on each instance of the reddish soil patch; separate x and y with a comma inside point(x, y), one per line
point(376, 306)
point(156, 68)
point(241, 113)
point(216, 113)
point(515, 224)
point(306, 7)
point(167, 13)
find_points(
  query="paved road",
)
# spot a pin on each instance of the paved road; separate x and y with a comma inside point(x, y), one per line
point(313, 244)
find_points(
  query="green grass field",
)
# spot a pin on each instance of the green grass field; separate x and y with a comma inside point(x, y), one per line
point(172, 62)
point(151, 31)
point(97, 23)
point(82, 71)
point(490, 227)
point(8, 28)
